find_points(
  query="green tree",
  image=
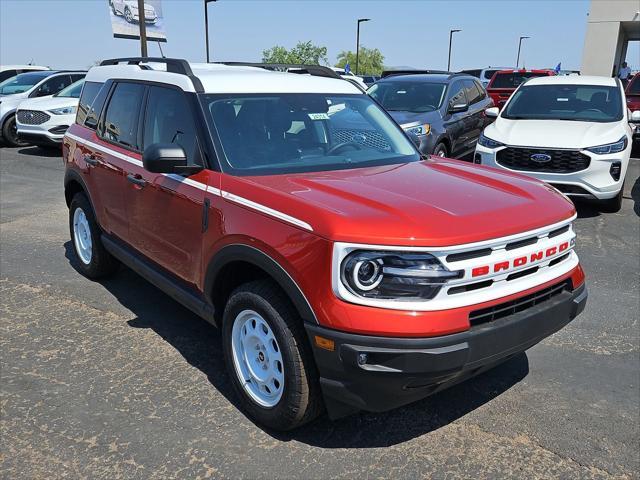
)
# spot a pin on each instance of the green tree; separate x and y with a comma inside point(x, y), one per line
point(303, 53)
point(370, 61)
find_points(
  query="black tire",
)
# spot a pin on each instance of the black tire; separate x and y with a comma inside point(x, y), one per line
point(613, 205)
point(440, 150)
point(301, 399)
point(101, 263)
point(10, 133)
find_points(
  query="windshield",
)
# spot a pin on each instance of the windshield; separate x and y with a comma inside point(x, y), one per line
point(22, 82)
point(512, 79)
point(584, 103)
point(417, 97)
point(290, 133)
point(72, 91)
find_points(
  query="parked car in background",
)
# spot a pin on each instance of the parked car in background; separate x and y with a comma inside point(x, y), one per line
point(572, 132)
point(484, 74)
point(8, 71)
point(16, 89)
point(44, 121)
point(568, 72)
point(129, 10)
point(632, 94)
point(444, 113)
point(350, 76)
point(370, 79)
point(505, 82)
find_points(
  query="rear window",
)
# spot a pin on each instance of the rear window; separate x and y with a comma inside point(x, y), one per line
point(488, 74)
point(513, 79)
point(408, 96)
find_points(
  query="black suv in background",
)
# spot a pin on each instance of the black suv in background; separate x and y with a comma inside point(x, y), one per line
point(444, 111)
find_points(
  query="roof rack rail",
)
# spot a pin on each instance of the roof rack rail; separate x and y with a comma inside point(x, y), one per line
point(314, 70)
point(174, 65)
point(390, 73)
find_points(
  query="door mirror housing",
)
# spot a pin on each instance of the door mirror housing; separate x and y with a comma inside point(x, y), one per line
point(492, 112)
point(458, 107)
point(635, 116)
point(167, 158)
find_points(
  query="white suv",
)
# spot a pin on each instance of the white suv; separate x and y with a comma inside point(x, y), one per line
point(570, 131)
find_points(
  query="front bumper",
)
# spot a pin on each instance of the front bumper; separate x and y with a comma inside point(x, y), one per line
point(592, 182)
point(50, 132)
point(398, 371)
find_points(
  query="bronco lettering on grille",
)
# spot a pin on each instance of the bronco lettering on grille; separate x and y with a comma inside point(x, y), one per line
point(519, 261)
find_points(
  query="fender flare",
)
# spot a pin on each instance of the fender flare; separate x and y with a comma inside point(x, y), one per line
point(74, 176)
point(256, 257)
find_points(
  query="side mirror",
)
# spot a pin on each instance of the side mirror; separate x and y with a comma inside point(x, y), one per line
point(492, 112)
point(414, 139)
point(635, 116)
point(167, 158)
point(458, 107)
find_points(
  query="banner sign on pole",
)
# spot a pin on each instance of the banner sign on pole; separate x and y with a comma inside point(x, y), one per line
point(124, 19)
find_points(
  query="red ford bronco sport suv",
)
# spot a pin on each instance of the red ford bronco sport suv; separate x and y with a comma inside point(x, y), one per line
point(345, 271)
point(504, 83)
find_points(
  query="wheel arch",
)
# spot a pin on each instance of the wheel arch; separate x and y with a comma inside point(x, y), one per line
point(237, 263)
point(73, 184)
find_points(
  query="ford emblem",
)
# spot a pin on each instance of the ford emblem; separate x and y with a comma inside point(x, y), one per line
point(541, 157)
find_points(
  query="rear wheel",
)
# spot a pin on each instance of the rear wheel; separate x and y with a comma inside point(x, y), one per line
point(127, 15)
point(440, 150)
point(94, 261)
point(10, 133)
point(268, 357)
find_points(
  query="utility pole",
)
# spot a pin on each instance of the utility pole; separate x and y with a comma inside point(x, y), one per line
point(143, 29)
point(451, 32)
point(519, 46)
point(360, 20)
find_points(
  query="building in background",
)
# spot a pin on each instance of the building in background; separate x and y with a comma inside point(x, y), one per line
point(612, 24)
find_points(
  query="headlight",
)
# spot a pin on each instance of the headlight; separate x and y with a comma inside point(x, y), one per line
point(423, 129)
point(64, 110)
point(488, 142)
point(616, 147)
point(394, 275)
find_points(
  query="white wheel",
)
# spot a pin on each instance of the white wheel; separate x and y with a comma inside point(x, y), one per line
point(257, 358)
point(82, 236)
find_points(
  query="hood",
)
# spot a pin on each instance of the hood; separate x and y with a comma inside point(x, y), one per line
point(436, 202)
point(554, 133)
point(408, 118)
point(48, 103)
point(14, 96)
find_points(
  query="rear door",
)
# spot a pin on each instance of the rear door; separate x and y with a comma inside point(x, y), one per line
point(166, 211)
point(456, 122)
point(476, 117)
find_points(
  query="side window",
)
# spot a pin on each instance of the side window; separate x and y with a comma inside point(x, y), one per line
point(122, 115)
point(89, 92)
point(169, 119)
point(53, 85)
point(481, 91)
point(77, 76)
point(457, 96)
point(473, 95)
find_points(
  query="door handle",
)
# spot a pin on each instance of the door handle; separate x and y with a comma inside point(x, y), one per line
point(136, 180)
point(90, 160)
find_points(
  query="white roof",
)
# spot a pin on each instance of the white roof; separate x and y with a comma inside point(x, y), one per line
point(572, 80)
point(4, 68)
point(216, 78)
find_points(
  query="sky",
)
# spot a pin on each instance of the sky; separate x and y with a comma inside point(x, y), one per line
point(77, 33)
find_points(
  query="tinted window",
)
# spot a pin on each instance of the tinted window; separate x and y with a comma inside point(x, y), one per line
point(634, 88)
point(457, 96)
point(88, 95)
point(72, 91)
point(286, 133)
point(474, 73)
point(77, 76)
point(472, 92)
point(586, 103)
point(169, 120)
point(121, 119)
point(513, 79)
point(408, 96)
point(488, 74)
point(7, 74)
point(22, 82)
point(53, 85)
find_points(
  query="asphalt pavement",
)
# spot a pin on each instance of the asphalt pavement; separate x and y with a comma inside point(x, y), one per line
point(116, 380)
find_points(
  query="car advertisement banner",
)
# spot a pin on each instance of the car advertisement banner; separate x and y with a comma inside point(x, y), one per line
point(124, 19)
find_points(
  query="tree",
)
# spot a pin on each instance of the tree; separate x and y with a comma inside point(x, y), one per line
point(370, 61)
point(303, 53)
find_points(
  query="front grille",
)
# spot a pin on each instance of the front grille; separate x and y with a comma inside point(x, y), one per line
point(561, 161)
point(478, 317)
point(368, 138)
point(32, 117)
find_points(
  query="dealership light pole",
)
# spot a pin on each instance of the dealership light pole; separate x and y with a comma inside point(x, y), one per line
point(143, 29)
point(451, 32)
point(206, 25)
point(519, 46)
point(360, 20)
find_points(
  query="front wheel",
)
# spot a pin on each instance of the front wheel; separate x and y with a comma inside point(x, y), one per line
point(127, 15)
point(440, 150)
point(10, 133)
point(268, 357)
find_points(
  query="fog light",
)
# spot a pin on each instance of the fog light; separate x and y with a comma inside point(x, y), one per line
point(615, 169)
point(362, 358)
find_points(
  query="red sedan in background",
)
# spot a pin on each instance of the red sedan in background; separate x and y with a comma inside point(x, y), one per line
point(504, 83)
